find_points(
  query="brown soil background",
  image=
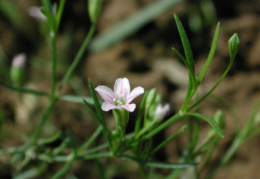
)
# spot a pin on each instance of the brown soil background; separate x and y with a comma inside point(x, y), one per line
point(146, 59)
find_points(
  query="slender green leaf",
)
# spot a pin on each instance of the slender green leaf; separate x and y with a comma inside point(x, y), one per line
point(139, 115)
point(214, 87)
point(209, 120)
point(78, 56)
point(186, 44)
point(95, 149)
point(24, 90)
point(211, 54)
point(97, 155)
point(181, 57)
point(47, 5)
point(158, 164)
point(50, 139)
point(51, 19)
point(60, 12)
point(101, 169)
point(97, 104)
point(64, 170)
point(100, 114)
point(62, 146)
point(190, 92)
point(31, 173)
point(76, 99)
point(131, 24)
point(160, 127)
point(91, 139)
point(165, 142)
point(195, 135)
point(91, 110)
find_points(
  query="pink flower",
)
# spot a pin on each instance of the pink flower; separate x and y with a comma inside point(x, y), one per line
point(19, 60)
point(121, 97)
point(35, 12)
point(161, 111)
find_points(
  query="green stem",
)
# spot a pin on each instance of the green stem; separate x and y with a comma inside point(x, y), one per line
point(90, 140)
point(141, 170)
point(60, 11)
point(231, 151)
point(41, 123)
point(36, 134)
point(78, 56)
point(97, 155)
point(24, 90)
point(54, 65)
point(222, 77)
point(162, 126)
point(64, 170)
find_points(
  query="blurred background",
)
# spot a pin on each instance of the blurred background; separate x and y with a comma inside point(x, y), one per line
point(133, 39)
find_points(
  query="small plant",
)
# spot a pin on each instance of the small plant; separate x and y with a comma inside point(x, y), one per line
point(137, 145)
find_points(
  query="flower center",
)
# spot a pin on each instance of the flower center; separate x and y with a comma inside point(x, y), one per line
point(119, 102)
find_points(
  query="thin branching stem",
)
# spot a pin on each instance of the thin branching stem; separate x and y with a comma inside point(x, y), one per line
point(78, 56)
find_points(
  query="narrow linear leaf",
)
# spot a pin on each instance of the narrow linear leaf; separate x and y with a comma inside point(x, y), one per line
point(211, 54)
point(64, 170)
point(50, 18)
point(76, 99)
point(96, 103)
point(91, 110)
point(181, 57)
point(139, 115)
point(131, 24)
point(209, 120)
point(62, 146)
point(214, 87)
point(24, 90)
point(100, 114)
point(50, 139)
point(195, 135)
point(47, 5)
point(185, 43)
point(31, 173)
point(60, 11)
point(91, 139)
point(161, 145)
point(159, 164)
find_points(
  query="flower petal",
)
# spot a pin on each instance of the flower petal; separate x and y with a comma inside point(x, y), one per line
point(136, 92)
point(161, 111)
point(129, 107)
point(106, 93)
point(122, 88)
point(108, 106)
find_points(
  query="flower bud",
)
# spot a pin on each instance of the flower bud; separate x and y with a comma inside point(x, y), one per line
point(35, 12)
point(151, 96)
point(94, 9)
point(17, 69)
point(161, 111)
point(233, 45)
point(220, 119)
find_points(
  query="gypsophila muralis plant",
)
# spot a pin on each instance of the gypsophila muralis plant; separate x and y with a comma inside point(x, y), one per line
point(137, 145)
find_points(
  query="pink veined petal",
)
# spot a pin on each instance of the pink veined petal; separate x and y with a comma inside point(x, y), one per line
point(129, 107)
point(106, 93)
point(108, 106)
point(136, 92)
point(122, 87)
